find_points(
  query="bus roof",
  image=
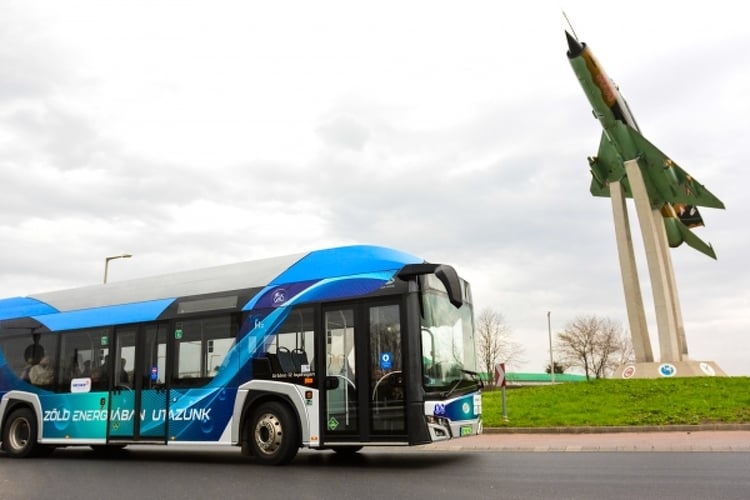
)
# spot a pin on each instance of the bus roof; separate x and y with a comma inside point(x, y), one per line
point(260, 274)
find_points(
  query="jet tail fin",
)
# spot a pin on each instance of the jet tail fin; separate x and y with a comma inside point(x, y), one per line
point(678, 233)
point(691, 239)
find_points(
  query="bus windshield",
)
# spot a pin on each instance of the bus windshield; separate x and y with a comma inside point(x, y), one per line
point(448, 345)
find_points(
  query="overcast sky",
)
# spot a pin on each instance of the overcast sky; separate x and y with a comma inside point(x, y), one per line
point(193, 134)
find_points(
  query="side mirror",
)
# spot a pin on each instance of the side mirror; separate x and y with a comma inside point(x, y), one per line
point(448, 276)
point(445, 273)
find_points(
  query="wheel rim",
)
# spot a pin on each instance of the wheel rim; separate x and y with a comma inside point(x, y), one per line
point(268, 434)
point(20, 433)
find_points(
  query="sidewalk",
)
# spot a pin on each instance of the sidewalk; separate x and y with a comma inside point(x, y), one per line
point(680, 438)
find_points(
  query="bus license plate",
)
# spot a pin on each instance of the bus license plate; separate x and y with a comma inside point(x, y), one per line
point(467, 430)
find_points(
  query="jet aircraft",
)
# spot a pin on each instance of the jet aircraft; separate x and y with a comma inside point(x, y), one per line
point(670, 189)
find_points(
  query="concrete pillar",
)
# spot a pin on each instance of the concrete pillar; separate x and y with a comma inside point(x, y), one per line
point(630, 281)
point(656, 256)
point(674, 296)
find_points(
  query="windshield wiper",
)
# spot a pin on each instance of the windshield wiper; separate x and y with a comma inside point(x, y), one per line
point(453, 388)
point(457, 383)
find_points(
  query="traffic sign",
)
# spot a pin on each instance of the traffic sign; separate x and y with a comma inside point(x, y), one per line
point(500, 375)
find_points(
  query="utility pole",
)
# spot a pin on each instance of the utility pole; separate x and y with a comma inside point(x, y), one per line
point(551, 357)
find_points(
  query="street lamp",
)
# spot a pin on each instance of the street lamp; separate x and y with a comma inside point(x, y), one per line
point(107, 259)
point(551, 358)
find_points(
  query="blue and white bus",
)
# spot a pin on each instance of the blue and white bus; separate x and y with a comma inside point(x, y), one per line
point(332, 349)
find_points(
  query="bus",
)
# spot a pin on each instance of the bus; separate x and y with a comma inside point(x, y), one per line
point(332, 349)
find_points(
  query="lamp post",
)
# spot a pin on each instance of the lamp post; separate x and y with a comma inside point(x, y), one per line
point(551, 358)
point(107, 259)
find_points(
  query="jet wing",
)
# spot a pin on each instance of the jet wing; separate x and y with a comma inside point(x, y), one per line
point(665, 180)
point(607, 167)
point(672, 188)
point(673, 184)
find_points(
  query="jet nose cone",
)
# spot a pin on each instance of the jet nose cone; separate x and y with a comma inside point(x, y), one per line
point(574, 47)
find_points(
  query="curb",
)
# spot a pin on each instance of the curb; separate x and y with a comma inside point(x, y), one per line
point(617, 429)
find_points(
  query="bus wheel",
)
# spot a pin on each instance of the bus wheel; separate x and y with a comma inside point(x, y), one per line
point(19, 434)
point(274, 436)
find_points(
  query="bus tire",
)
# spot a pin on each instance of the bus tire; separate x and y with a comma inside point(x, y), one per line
point(20, 434)
point(274, 434)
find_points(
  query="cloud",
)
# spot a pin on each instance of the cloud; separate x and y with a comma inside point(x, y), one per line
point(201, 135)
point(344, 132)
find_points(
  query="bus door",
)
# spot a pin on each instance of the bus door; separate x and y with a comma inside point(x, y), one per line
point(363, 391)
point(138, 396)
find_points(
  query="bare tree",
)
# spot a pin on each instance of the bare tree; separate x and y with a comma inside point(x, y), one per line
point(494, 342)
point(597, 345)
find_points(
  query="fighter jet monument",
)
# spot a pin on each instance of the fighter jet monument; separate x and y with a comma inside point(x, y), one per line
point(666, 199)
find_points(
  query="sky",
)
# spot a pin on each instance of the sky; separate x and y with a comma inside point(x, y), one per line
point(199, 133)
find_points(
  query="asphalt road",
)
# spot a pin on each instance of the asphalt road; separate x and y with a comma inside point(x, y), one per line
point(663, 466)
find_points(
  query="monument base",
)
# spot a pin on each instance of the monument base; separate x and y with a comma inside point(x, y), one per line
point(687, 368)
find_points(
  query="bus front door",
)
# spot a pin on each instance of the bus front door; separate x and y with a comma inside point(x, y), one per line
point(138, 397)
point(364, 393)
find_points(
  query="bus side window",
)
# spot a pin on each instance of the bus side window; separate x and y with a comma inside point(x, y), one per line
point(287, 350)
point(202, 348)
point(79, 357)
point(19, 352)
point(40, 356)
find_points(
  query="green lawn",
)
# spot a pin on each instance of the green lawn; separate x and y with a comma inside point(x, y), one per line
point(696, 400)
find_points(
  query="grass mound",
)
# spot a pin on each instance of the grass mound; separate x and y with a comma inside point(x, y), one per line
point(679, 401)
